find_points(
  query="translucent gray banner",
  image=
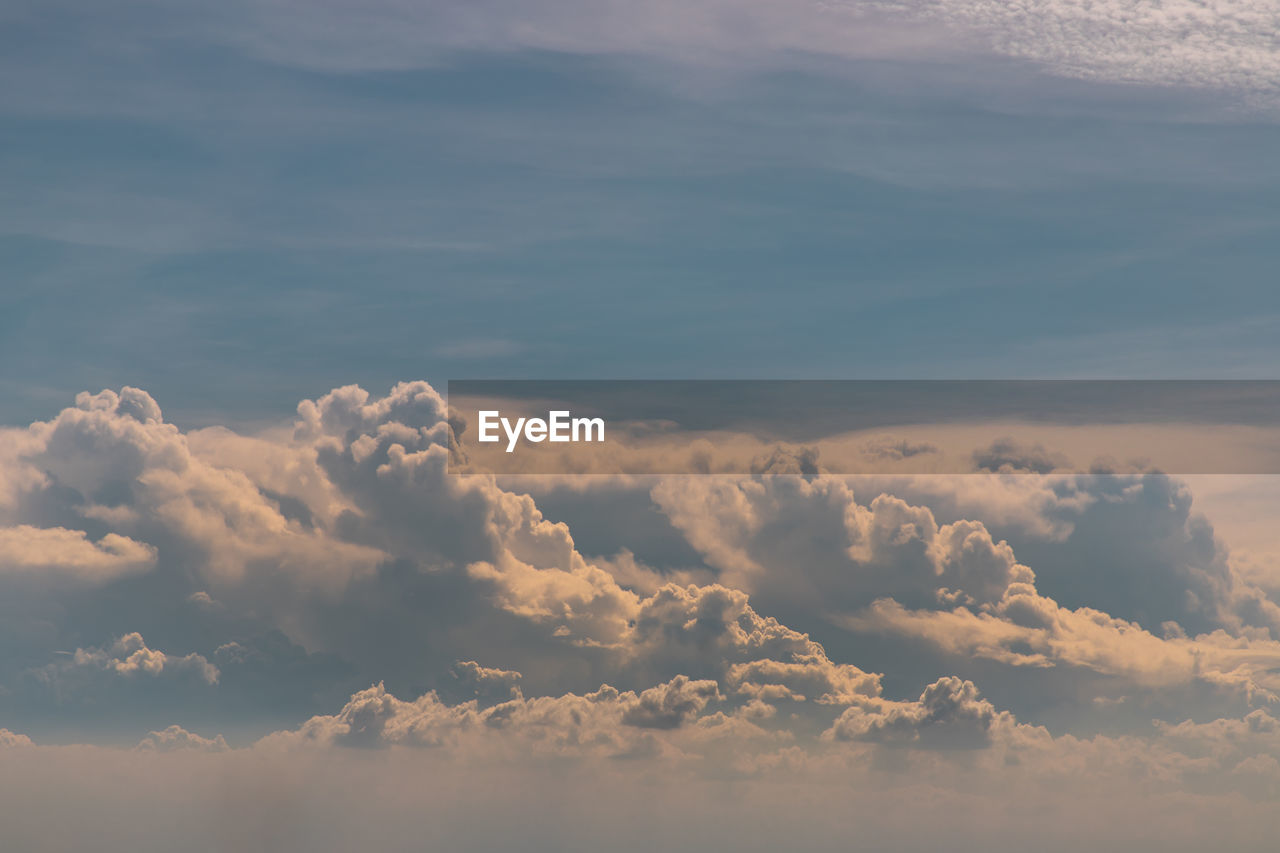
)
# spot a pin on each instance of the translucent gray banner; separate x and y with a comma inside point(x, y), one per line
point(865, 426)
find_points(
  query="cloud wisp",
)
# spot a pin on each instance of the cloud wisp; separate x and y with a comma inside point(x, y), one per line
point(1222, 45)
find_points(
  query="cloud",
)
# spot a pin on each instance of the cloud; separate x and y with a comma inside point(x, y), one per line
point(112, 460)
point(297, 563)
point(1007, 455)
point(1229, 44)
point(10, 739)
point(604, 722)
point(537, 664)
point(177, 738)
point(130, 657)
point(61, 553)
point(785, 460)
point(811, 677)
point(1055, 798)
point(487, 683)
point(949, 714)
point(670, 705)
point(889, 567)
point(889, 447)
point(714, 629)
point(844, 553)
point(1223, 45)
point(1027, 629)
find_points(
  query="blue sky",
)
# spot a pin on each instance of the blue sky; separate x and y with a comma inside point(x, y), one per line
point(233, 222)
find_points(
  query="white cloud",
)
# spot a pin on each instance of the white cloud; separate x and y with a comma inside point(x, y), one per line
point(57, 552)
point(111, 460)
point(488, 685)
point(949, 715)
point(1222, 44)
point(605, 722)
point(811, 541)
point(479, 591)
point(1227, 43)
point(701, 684)
point(1027, 629)
point(10, 739)
point(888, 566)
point(130, 656)
point(177, 738)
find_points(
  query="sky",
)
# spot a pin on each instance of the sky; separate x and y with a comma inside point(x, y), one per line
point(231, 206)
point(245, 245)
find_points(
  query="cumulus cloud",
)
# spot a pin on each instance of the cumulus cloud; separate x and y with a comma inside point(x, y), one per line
point(487, 683)
point(787, 460)
point(889, 567)
point(950, 735)
point(844, 552)
point(671, 704)
point(12, 739)
point(177, 738)
point(1027, 629)
point(107, 492)
point(1008, 455)
point(803, 678)
point(527, 650)
point(470, 595)
point(949, 714)
point(57, 552)
point(604, 722)
point(113, 460)
point(129, 656)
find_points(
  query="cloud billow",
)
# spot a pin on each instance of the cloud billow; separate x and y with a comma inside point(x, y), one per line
point(335, 573)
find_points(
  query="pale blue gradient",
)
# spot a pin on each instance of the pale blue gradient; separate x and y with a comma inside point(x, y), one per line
point(235, 234)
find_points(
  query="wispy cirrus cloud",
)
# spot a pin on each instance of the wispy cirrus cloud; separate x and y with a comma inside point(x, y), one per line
point(1228, 45)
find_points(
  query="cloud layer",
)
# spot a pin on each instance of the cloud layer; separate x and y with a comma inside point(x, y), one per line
point(327, 587)
point(1229, 44)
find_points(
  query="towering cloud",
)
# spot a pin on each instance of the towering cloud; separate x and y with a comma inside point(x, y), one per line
point(331, 586)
